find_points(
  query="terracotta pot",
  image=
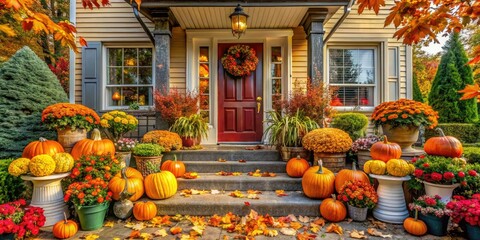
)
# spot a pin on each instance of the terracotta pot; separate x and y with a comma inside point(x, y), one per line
point(405, 136)
point(189, 141)
point(67, 137)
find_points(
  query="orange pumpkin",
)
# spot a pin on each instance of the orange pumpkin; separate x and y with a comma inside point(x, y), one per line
point(42, 146)
point(134, 181)
point(318, 182)
point(333, 210)
point(296, 167)
point(414, 226)
point(346, 175)
point(94, 146)
point(385, 150)
point(144, 211)
point(446, 146)
point(160, 185)
point(174, 166)
point(65, 228)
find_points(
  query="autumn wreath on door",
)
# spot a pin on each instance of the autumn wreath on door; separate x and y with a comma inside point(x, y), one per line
point(240, 60)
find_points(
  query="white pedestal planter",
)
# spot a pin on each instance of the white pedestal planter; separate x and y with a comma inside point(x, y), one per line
point(391, 206)
point(48, 194)
point(444, 191)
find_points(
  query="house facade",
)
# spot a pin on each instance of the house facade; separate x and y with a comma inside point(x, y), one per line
point(180, 44)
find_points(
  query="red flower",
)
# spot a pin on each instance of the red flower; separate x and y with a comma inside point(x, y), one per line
point(418, 173)
point(430, 201)
point(472, 173)
point(426, 165)
point(448, 175)
point(436, 176)
point(461, 174)
point(422, 156)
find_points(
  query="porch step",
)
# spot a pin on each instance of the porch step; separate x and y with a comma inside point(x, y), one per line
point(208, 181)
point(207, 205)
point(229, 153)
point(235, 166)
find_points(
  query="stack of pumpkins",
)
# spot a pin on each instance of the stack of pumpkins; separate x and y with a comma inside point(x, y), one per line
point(319, 182)
point(387, 160)
point(42, 158)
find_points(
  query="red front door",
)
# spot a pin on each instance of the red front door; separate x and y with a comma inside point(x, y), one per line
point(239, 120)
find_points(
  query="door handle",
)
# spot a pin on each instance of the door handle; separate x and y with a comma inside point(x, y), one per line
point(259, 103)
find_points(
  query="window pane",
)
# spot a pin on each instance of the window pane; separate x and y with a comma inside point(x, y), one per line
point(130, 57)
point(276, 54)
point(114, 97)
point(130, 75)
point(352, 66)
point(129, 95)
point(355, 96)
point(115, 57)
point(276, 70)
point(145, 57)
point(145, 75)
point(114, 75)
point(144, 96)
point(203, 54)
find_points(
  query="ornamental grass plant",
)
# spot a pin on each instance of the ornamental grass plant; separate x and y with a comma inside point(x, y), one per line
point(194, 126)
point(404, 112)
point(327, 140)
point(68, 115)
point(288, 130)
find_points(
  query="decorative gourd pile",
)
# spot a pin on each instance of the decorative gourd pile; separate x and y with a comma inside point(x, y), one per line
point(42, 158)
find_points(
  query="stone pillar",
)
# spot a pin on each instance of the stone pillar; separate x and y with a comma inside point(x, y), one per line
point(162, 33)
point(313, 25)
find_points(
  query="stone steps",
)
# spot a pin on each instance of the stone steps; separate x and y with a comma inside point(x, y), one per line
point(207, 181)
point(229, 153)
point(207, 205)
point(235, 166)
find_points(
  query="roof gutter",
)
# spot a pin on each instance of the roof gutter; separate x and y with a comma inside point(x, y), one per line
point(346, 10)
point(140, 20)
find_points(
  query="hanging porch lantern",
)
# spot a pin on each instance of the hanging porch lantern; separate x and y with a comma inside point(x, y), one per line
point(239, 21)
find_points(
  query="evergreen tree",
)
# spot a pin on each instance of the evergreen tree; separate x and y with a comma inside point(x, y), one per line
point(417, 94)
point(453, 74)
point(27, 86)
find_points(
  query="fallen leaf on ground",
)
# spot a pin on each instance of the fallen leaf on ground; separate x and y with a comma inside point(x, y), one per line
point(139, 226)
point(281, 193)
point(109, 224)
point(190, 175)
point(146, 236)
point(334, 228)
point(251, 191)
point(175, 230)
point(214, 220)
point(221, 160)
point(90, 236)
point(242, 161)
point(270, 233)
point(198, 229)
point(253, 196)
point(214, 192)
point(223, 173)
point(377, 224)
point(117, 238)
point(358, 234)
point(187, 237)
point(237, 194)
point(247, 204)
point(315, 227)
point(288, 231)
point(177, 218)
point(306, 236)
point(159, 221)
point(296, 225)
point(160, 233)
point(257, 147)
point(320, 222)
point(134, 234)
point(303, 219)
point(374, 232)
point(292, 218)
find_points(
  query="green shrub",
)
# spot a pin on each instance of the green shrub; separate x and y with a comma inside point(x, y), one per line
point(472, 185)
point(465, 132)
point(148, 150)
point(27, 86)
point(472, 154)
point(355, 124)
point(12, 187)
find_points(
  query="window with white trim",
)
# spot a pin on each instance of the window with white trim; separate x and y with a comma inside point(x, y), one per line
point(354, 72)
point(129, 77)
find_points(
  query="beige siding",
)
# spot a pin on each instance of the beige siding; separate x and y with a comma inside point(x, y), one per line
point(299, 58)
point(177, 59)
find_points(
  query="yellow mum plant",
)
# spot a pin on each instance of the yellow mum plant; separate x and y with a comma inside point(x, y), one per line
point(116, 123)
point(327, 140)
point(166, 139)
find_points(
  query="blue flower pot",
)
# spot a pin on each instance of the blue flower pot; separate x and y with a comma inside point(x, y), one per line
point(436, 226)
point(473, 232)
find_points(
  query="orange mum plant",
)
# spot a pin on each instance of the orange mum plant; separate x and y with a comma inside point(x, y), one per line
point(63, 115)
point(404, 112)
point(327, 140)
point(168, 140)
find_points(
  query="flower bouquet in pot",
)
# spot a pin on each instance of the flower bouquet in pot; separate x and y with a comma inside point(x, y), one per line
point(123, 150)
point(359, 197)
point(116, 123)
point(19, 220)
point(467, 211)
point(400, 121)
point(361, 147)
point(440, 175)
point(433, 212)
point(330, 145)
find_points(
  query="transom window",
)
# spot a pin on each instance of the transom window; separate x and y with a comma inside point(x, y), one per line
point(353, 72)
point(129, 77)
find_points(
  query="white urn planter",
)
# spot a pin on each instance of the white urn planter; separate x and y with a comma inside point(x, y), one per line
point(48, 194)
point(391, 206)
point(443, 190)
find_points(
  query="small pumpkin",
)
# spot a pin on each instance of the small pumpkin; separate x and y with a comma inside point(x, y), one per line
point(174, 166)
point(296, 167)
point(414, 226)
point(398, 168)
point(94, 146)
point(63, 162)
point(333, 210)
point(375, 167)
point(134, 181)
point(19, 166)
point(65, 228)
point(144, 211)
point(42, 165)
point(160, 185)
point(42, 146)
point(318, 182)
point(385, 150)
point(446, 146)
point(346, 175)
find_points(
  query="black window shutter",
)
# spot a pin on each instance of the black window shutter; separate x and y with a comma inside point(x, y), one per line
point(92, 75)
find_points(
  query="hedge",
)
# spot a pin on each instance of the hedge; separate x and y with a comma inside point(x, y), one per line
point(472, 154)
point(12, 187)
point(465, 132)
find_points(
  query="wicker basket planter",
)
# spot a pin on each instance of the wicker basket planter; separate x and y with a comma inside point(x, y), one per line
point(148, 165)
point(333, 161)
